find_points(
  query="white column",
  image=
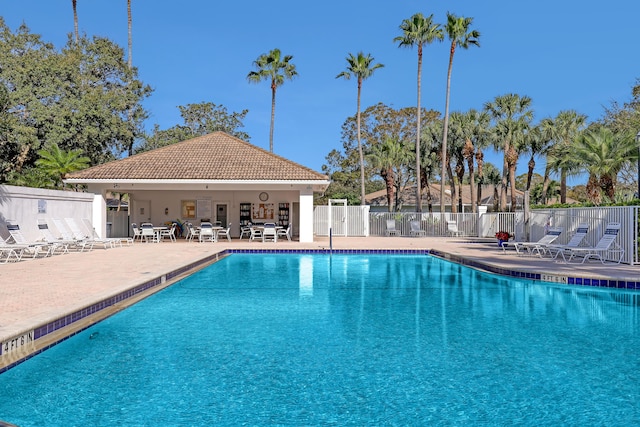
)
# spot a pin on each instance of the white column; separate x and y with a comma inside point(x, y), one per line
point(99, 216)
point(305, 228)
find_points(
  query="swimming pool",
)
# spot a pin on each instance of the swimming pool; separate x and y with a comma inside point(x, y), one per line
point(345, 339)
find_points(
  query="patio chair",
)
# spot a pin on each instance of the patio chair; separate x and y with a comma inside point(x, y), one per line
point(391, 228)
point(170, 233)
point(192, 232)
point(80, 244)
point(452, 228)
point(245, 231)
point(269, 233)
point(576, 240)
point(285, 232)
point(148, 233)
point(529, 248)
point(607, 243)
point(206, 232)
point(225, 232)
point(33, 249)
point(415, 229)
point(136, 232)
point(256, 233)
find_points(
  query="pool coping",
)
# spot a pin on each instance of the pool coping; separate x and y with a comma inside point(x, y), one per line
point(19, 348)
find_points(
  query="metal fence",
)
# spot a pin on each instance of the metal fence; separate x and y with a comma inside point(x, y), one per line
point(597, 219)
point(433, 224)
point(358, 221)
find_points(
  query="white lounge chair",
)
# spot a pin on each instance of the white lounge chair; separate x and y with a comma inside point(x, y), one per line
point(79, 234)
point(529, 248)
point(576, 240)
point(10, 250)
point(57, 244)
point(607, 243)
point(80, 244)
point(415, 229)
point(391, 228)
point(34, 249)
point(113, 241)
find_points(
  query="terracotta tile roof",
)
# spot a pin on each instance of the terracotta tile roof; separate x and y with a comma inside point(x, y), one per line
point(216, 156)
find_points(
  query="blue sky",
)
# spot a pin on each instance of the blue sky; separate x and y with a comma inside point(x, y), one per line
point(565, 54)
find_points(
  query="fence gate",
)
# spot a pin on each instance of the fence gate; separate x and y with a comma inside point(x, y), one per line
point(337, 217)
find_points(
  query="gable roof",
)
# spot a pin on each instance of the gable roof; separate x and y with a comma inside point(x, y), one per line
point(216, 156)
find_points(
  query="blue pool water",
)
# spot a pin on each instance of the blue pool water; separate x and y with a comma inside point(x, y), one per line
point(343, 340)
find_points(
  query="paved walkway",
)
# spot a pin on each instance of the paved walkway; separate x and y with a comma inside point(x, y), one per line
point(36, 291)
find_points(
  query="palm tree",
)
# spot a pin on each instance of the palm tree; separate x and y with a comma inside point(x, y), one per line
point(417, 31)
point(361, 67)
point(457, 29)
point(58, 163)
point(75, 20)
point(562, 130)
point(512, 116)
point(390, 157)
point(603, 154)
point(129, 29)
point(277, 68)
point(472, 128)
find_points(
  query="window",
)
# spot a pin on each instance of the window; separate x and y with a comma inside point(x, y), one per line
point(188, 209)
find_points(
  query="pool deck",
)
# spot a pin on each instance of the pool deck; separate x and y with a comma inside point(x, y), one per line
point(34, 292)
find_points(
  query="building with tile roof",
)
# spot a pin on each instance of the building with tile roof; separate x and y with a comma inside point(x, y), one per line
point(214, 176)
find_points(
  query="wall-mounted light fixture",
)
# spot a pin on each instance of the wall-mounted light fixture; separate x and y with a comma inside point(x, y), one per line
point(166, 211)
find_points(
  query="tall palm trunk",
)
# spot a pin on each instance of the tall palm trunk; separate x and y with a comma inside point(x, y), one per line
point(468, 154)
point(129, 28)
point(446, 128)
point(273, 114)
point(387, 176)
point(512, 160)
point(75, 20)
point(419, 112)
point(545, 183)
point(505, 177)
point(480, 162)
point(360, 153)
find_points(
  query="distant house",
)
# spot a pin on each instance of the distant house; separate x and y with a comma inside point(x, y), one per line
point(216, 176)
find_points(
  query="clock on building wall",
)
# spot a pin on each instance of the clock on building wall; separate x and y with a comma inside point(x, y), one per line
point(264, 196)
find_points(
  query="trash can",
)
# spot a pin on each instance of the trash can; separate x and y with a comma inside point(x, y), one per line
point(109, 225)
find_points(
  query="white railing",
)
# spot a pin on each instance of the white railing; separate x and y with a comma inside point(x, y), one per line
point(356, 221)
point(597, 219)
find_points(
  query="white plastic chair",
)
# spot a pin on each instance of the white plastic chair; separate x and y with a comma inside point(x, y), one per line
point(225, 232)
point(245, 231)
point(256, 233)
point(269, 233)
point(285, 232)
point(148, 233)
point(136, 232)
point(170, 233)
point(206, 232)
